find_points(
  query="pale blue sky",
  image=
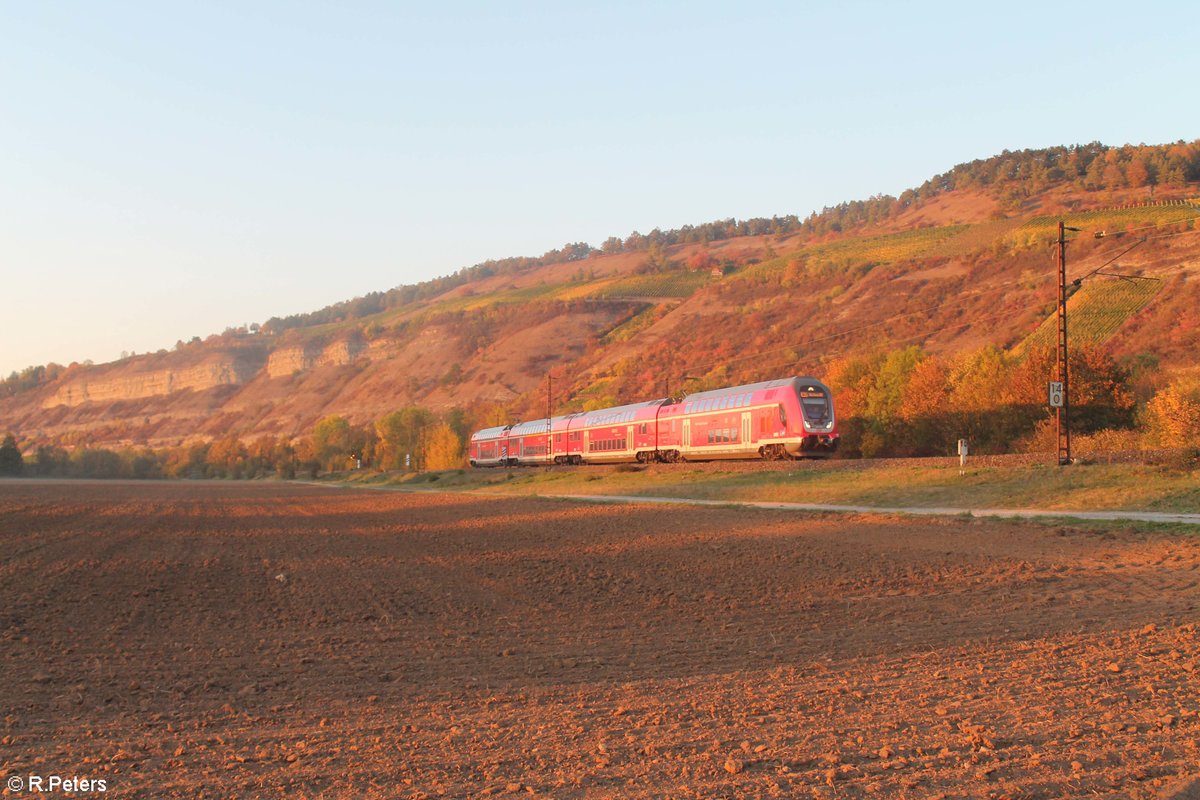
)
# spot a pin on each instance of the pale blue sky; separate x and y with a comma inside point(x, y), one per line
point(168, 169)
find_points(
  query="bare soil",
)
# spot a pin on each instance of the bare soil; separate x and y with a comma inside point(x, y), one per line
point(267, 640)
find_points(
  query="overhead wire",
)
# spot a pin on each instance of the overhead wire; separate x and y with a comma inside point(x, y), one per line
point(991, 288)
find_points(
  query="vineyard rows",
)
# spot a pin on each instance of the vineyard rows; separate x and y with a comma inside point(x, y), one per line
point(1097, 311)
point(665, 285)
point(1039, 229)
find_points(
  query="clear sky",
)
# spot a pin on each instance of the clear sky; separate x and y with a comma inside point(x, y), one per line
point(169, 169)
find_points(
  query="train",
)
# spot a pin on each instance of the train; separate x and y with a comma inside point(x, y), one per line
point(777, 419)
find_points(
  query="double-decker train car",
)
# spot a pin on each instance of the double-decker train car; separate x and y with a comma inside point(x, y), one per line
point(489, 447)
point(786, 418)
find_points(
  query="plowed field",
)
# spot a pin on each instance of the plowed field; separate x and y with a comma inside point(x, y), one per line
point(265, 640)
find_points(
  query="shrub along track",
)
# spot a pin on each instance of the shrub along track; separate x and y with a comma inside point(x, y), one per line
point(218, 640)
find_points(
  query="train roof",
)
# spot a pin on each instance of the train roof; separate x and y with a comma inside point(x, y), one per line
point(536, 425)
point(750, 387)
point(489, 433)
point(618, 414)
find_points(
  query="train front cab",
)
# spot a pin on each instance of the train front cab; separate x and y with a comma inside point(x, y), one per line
point(788, 418)
point(815, 434)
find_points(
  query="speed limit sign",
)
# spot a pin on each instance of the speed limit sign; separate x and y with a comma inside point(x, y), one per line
point(1056, 394)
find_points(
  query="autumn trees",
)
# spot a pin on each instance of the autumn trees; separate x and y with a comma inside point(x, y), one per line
point(909, 403)
point(11, 460)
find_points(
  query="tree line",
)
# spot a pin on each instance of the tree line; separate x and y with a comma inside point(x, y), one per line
point(907, 402)
point(410, 439)
point(901, 402)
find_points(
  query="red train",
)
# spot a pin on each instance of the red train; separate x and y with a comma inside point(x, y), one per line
point(786, 418)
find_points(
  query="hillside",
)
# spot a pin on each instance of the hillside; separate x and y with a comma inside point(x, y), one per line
point(958, 263)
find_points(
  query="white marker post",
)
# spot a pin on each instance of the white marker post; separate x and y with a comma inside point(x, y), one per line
point(962, 456)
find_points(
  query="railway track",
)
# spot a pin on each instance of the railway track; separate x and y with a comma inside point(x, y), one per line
point(755, 465)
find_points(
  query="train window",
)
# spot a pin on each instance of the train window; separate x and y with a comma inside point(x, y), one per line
point(782, 416)
point(815, 408)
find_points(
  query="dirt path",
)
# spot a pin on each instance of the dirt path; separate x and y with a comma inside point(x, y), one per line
point(262, 640)
point(920, 511)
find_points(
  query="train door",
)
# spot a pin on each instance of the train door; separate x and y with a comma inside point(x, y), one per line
point(746, 429)
point(687, 435)
point(587, 437)
point(629, 443)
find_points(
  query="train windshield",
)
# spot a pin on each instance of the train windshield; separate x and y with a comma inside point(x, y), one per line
point(815, 405)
